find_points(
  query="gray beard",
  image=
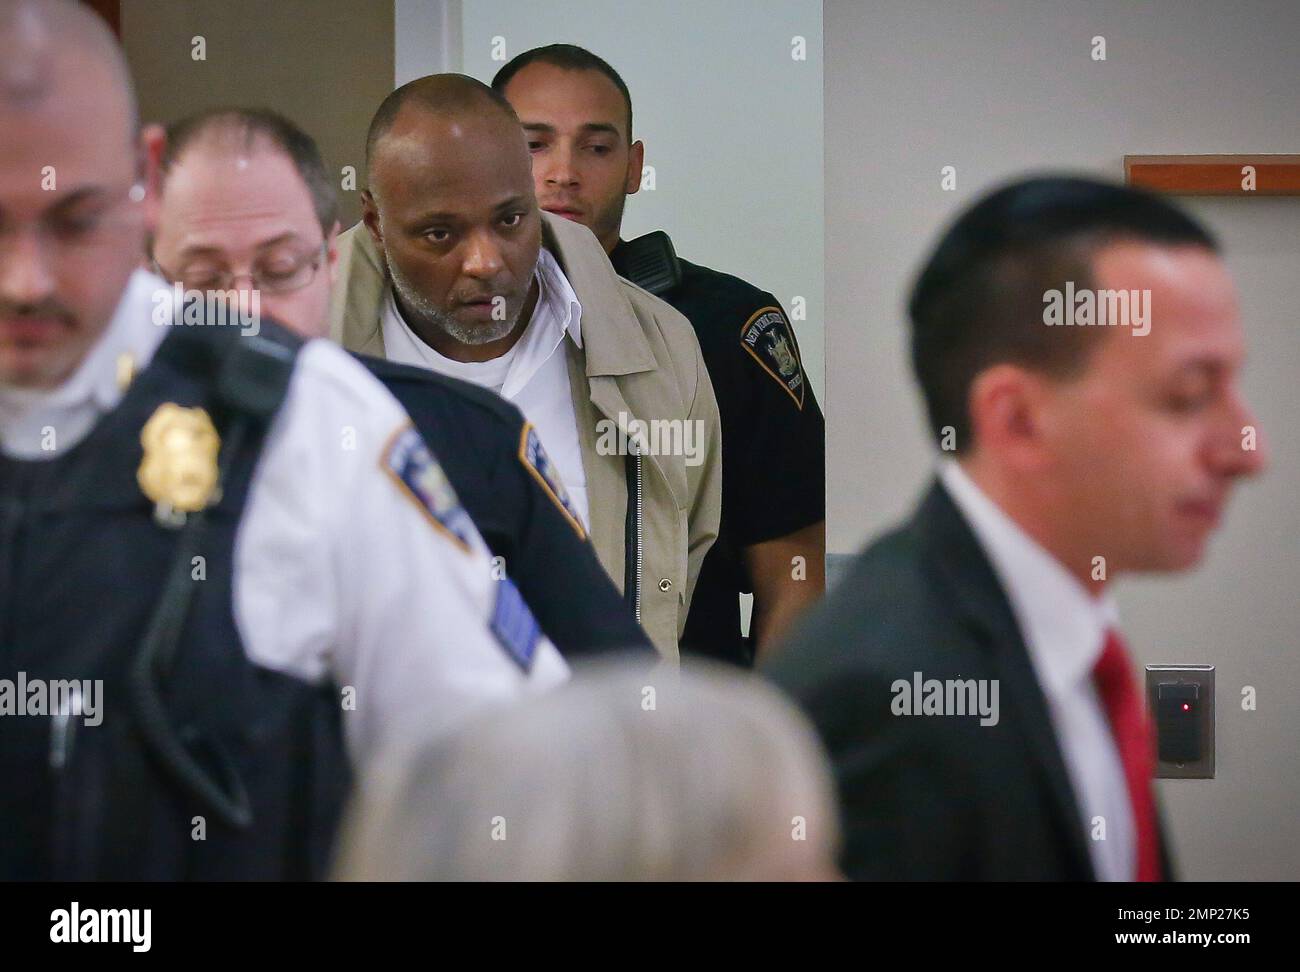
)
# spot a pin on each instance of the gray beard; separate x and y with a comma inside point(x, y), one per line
point(472, 334)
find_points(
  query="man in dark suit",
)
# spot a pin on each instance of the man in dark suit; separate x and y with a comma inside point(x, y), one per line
point(1078, 347)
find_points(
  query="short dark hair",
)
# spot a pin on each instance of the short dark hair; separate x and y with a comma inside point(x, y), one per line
point(979, 299)
point(446, 93)
point(570, 57)
point(245, 126)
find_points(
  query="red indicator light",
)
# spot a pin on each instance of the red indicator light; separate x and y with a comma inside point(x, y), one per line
point(1186, 707)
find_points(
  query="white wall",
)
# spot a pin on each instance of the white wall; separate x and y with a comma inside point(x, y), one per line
point(999, 87)
point(426, 38)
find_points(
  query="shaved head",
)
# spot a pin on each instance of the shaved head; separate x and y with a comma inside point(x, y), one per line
point(35, 35)
point(75, 186)
point(448, 95)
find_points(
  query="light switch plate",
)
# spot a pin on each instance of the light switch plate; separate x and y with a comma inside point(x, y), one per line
point(1183, 680)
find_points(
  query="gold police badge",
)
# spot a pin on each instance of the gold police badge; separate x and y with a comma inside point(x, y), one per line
point(179, 469)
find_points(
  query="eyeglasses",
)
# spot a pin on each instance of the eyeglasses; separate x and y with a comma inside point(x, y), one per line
point(268, 280)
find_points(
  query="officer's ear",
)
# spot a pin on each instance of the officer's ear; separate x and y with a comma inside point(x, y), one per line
point(370, 216)
point(147, 191)
point(635, 159)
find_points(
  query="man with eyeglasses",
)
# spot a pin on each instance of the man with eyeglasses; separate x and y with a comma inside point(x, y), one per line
point(244, 209)
point(237, 545)
point(247, 203)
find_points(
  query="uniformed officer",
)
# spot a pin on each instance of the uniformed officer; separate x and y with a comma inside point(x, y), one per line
point(229, 567)
point(247, 190)
point(577, 113)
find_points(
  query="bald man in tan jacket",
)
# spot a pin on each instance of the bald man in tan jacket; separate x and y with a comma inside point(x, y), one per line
point(647, 428)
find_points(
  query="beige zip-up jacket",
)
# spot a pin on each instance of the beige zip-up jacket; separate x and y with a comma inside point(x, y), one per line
point(640, 360)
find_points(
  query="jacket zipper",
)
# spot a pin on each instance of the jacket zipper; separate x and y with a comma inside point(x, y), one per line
point(639, 545)
point(632, 529)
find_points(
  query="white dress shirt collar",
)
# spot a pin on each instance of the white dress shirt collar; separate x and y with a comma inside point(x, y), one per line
point(556, 293)
point(1063, 624)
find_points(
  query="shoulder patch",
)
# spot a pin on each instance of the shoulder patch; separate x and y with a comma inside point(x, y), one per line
point(768, 337)
point(514, 625)
point(417, 474)
point(539, 464)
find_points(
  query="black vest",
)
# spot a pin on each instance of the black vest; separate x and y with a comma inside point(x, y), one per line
point(195, 740)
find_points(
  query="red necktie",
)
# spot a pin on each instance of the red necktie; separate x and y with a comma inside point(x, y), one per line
point(1113, 676)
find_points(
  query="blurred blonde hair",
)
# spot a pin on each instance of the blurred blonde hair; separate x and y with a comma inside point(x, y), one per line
point(621, 774)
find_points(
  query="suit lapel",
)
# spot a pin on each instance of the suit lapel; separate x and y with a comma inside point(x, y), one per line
point(955, 554)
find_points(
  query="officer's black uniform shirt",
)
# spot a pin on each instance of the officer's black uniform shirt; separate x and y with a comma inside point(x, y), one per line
point(773, 442)
point(479, 439)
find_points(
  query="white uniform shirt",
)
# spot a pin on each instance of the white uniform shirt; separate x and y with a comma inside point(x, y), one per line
point(534, 374)
point(338, 573)
point(1064, 627)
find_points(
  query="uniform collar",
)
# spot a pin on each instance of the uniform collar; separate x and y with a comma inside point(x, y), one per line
point(1063, 624)
point(131, 331)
